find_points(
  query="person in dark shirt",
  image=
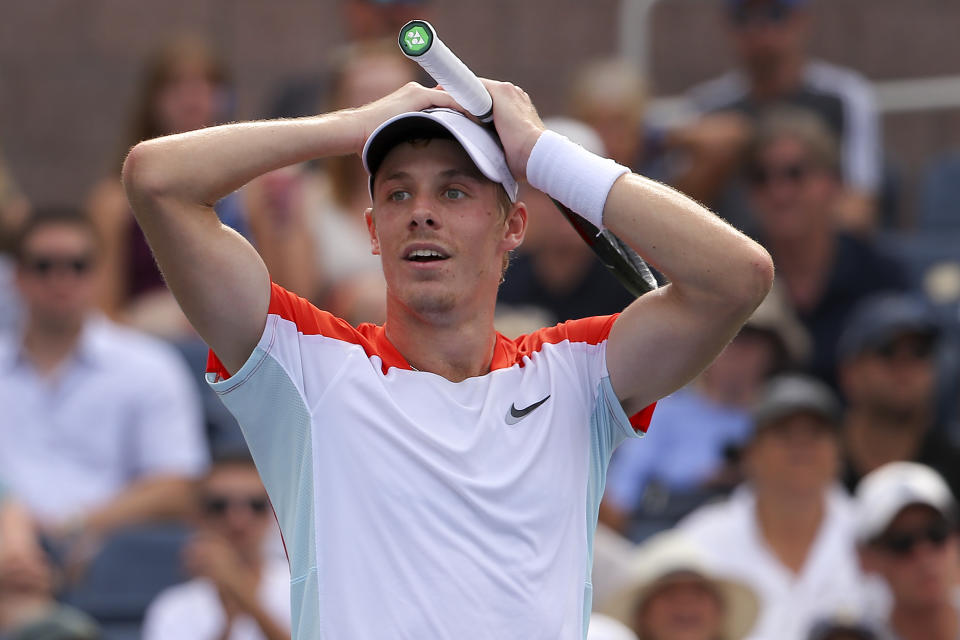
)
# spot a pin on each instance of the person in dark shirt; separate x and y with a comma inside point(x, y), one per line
point(770, 40)
point(794, 186)
point(888, 375)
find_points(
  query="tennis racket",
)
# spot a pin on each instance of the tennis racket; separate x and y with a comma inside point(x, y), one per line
point(419, 42)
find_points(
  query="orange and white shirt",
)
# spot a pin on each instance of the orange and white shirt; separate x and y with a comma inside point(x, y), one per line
point(415, 507)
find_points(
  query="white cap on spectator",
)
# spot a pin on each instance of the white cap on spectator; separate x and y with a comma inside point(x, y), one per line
point(884, 492)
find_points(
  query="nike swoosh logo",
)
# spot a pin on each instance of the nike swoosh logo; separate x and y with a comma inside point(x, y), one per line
point(516, 415)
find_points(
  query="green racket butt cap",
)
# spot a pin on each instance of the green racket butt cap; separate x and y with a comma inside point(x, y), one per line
point(416, 37)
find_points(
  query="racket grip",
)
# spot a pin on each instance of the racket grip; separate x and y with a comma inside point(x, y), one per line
point(419, 42)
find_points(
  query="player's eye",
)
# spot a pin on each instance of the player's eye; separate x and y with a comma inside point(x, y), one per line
point(454, 194)
point(399, 195)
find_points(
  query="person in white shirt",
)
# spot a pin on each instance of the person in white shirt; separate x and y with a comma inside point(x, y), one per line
point(907, 534)
point(788, 532)
point(240, 591)
point(101, 426)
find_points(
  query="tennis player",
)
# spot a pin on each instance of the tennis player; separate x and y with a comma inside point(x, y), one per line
point(432, 478)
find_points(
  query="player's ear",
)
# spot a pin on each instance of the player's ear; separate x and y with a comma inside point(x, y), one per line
point(515, 226)
point(372, 229)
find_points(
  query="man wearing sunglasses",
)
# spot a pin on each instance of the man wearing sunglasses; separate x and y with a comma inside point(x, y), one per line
point(888, 374)
point(793, 187)
point(100, 427)
point(906, 519)
point(238, 592)
point(770, 39)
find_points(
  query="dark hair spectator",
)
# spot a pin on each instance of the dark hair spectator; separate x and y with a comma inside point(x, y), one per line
point(101, 426)
point(238, 590)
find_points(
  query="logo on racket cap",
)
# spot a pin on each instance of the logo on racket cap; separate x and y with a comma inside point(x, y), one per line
point(416, 38)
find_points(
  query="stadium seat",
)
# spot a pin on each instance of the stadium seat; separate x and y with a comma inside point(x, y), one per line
point(128, 573)
point(940, 195)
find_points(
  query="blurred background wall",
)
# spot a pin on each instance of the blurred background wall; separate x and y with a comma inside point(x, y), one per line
point(68, 67)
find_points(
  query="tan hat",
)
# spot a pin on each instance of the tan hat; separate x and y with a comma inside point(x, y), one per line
point(671, 553)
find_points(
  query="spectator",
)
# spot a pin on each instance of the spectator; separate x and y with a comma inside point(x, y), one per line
point(691, 451)
point(100, 427)
point(788, 532)
point(27, 608)
point(888, 376)
point(674, 595)
point(239, 592)
point(610, 96)
point(907, 531)
point(770, 39)
point(554, 270)
point(184, 86)
point(792, 166)
point(363, 21)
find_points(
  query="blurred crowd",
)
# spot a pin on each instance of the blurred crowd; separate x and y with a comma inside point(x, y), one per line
point(801, 488)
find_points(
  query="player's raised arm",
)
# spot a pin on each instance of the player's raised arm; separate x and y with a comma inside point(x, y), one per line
point(717, 275)
point(172, 183)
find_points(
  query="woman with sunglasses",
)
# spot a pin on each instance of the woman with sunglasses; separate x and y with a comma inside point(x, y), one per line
point(239, 592)
point(907, 532)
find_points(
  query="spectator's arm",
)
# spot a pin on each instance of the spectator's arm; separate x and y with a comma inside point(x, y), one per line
point(712, 148)
point(151, 499)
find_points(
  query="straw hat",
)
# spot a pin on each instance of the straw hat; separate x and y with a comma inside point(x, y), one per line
point(669, 554)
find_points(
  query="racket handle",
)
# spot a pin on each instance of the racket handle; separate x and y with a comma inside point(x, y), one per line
point(419, 42)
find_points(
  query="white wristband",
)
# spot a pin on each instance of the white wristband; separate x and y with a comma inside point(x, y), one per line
point(569, 173)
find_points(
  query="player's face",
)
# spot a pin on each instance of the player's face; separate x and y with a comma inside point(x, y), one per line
point(234, 505)
point(439, 228)
point(917, 556)
point(56, 276)
point(683, 609)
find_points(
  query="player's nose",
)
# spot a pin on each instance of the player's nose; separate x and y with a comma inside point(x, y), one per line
point(422, 215)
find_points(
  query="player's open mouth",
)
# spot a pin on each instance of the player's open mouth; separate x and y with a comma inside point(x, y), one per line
point(425, 255)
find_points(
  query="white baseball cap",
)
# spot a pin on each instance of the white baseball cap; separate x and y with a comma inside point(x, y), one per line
point(885, 491)
point(480, 143)
point(671, 554)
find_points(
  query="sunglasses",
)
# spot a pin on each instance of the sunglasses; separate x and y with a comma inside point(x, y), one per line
point(747, 15)
point(902, 543)
point(44, 266)
point(921, 349)
point(796, 173)
point(218, 506)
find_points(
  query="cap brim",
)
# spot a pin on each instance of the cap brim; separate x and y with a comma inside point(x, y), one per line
point(480, 145)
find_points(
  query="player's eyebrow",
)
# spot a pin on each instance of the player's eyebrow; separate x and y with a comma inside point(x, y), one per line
point(473, 174)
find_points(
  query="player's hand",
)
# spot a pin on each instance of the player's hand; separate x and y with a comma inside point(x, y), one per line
point(410, 97)
point(518, 124)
